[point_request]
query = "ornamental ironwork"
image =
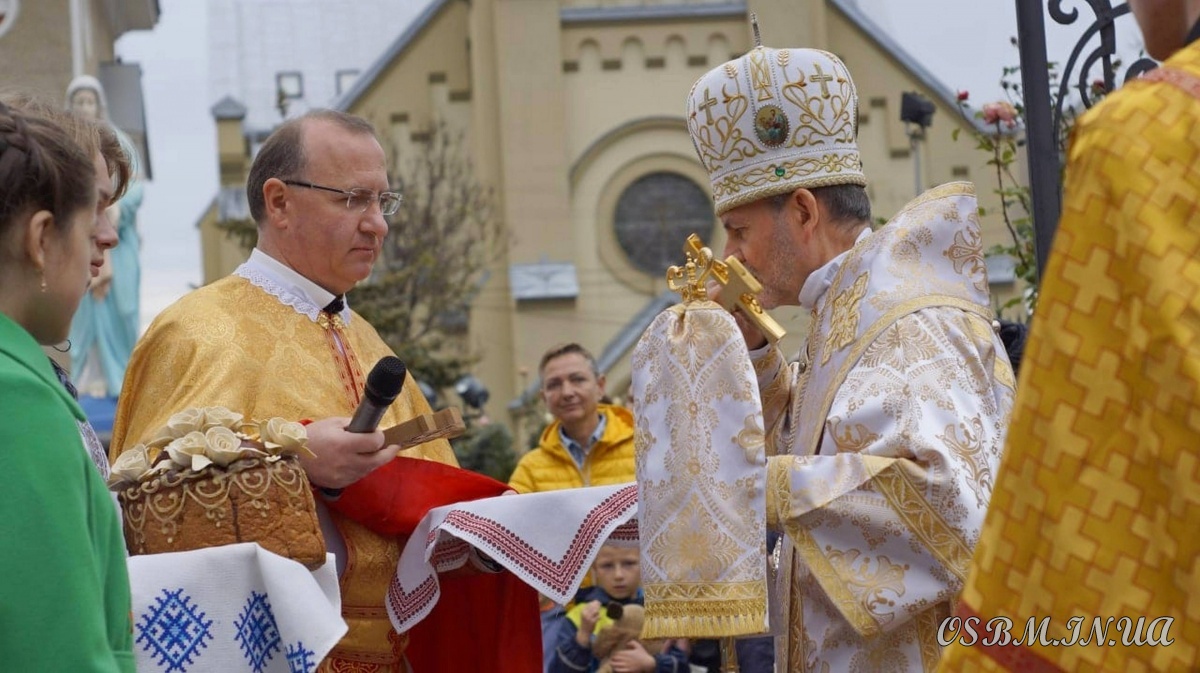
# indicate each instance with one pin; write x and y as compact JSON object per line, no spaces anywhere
{"x":1046,"y":115}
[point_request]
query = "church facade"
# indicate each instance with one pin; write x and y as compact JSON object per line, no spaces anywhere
{"x":574,"y":112}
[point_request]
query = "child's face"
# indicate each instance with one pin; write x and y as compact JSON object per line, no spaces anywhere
{"x":618,"y":571}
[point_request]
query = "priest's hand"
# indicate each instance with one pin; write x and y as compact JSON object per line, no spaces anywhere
{"x":342,"y":458}
{"x":755,"y":339}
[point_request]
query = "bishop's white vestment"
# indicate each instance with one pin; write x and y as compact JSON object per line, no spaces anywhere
{"x":884,"y":440}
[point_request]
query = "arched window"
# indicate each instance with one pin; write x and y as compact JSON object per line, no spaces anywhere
{"x":654,"y":216}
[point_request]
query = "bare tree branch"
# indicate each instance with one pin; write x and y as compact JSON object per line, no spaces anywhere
{"x":442,"y":240}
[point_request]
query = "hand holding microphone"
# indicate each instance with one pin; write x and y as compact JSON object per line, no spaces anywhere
{"x":348,"y":449}
{"x":383,"y":386}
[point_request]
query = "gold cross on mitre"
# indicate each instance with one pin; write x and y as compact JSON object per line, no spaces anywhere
{"x":739,"y":286}
{"x":822,"y":78}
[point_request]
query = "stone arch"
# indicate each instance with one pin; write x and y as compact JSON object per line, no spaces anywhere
{"x":609,"y":167}
{"x":633,"y":53}
{"x":676,"y":51}
{"x":718,"y":49}
{"x":589,"y":55}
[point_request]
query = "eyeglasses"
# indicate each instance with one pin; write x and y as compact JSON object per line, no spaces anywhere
{"x":359,"y":198}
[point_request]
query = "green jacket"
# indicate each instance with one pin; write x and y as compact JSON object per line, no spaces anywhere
{"x":550,"y":467}
{"x":64,"y":587}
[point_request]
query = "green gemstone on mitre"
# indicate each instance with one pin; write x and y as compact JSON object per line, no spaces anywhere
{"x":779,"y":172}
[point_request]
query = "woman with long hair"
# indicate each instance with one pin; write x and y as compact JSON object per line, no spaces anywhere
{"x":65,"y":587}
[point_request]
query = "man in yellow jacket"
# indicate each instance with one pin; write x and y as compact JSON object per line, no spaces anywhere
{"x":588,"y":444}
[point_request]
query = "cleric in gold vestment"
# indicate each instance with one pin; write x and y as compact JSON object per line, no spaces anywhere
{"x":275,"y":339}
{"x":883,"y":439}
{"x":1096,"y":507}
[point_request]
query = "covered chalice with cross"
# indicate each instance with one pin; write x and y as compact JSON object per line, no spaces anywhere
{"x":738,"y":287}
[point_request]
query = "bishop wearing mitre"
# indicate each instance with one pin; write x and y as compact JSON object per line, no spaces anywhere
{"x":881,"y":440}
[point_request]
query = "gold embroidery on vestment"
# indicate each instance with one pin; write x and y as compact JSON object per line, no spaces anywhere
{"x":779,"y":491}
{"x":728,"y":609}
{"x":969,"y":446}
{"x":843,"y":324}
{"x":835,"y":586}
{"x":851,"y":438}
{"x":864,"y":341}
{"x":905,"y":497}
{"x":966,"y":254}
{"x":870,"y":579}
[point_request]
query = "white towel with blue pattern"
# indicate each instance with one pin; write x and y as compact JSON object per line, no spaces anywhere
{"x":232,"y":609}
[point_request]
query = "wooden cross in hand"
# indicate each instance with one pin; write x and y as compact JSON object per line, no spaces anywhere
{"x":447,"y":423}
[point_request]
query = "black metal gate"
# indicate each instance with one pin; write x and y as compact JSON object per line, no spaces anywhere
{"x":1046,"y":111}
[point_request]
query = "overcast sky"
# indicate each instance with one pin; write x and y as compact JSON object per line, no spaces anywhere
{"x":965,"y":44}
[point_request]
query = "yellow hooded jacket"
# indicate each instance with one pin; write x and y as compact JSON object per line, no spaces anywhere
{"x":550,"y":467}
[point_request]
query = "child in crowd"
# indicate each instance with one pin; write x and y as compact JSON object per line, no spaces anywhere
{"x":618,"y":576}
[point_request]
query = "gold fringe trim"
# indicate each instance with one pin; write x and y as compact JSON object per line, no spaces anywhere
{"x":705,"y":610}
{"x":702,"y":626}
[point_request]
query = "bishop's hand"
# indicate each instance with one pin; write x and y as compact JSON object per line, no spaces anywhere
{"x":754,"y":337}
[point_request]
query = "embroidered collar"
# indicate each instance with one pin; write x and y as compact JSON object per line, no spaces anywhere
{"x":818,"y":281}
{"x":288,"y":286}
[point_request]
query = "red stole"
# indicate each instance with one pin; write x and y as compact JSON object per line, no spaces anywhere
{"x":482,"y":622}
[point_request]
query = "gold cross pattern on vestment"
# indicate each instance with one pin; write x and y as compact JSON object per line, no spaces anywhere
{"x":739,"y":286}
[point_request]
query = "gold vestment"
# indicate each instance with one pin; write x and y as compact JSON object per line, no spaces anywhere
{"x":1097,"y":501}
{"x":235,"y":345}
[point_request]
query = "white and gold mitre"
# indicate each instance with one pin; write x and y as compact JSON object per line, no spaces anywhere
{"x":775,"y":120}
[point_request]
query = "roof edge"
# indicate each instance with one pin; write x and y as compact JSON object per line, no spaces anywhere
{"x":401,"y":43}
{"x":906,"y":60}
{"x":652,"y":12}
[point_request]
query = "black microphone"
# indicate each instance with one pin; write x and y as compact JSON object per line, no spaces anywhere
{"x":383,"y":385}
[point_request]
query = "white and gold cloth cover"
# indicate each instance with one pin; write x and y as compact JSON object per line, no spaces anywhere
{"x":701,"y":470}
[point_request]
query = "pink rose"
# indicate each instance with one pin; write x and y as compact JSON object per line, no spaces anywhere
{"x":1000,"y":111}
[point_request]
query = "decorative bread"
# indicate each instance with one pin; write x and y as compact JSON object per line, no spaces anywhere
{"x":209,"y":478}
